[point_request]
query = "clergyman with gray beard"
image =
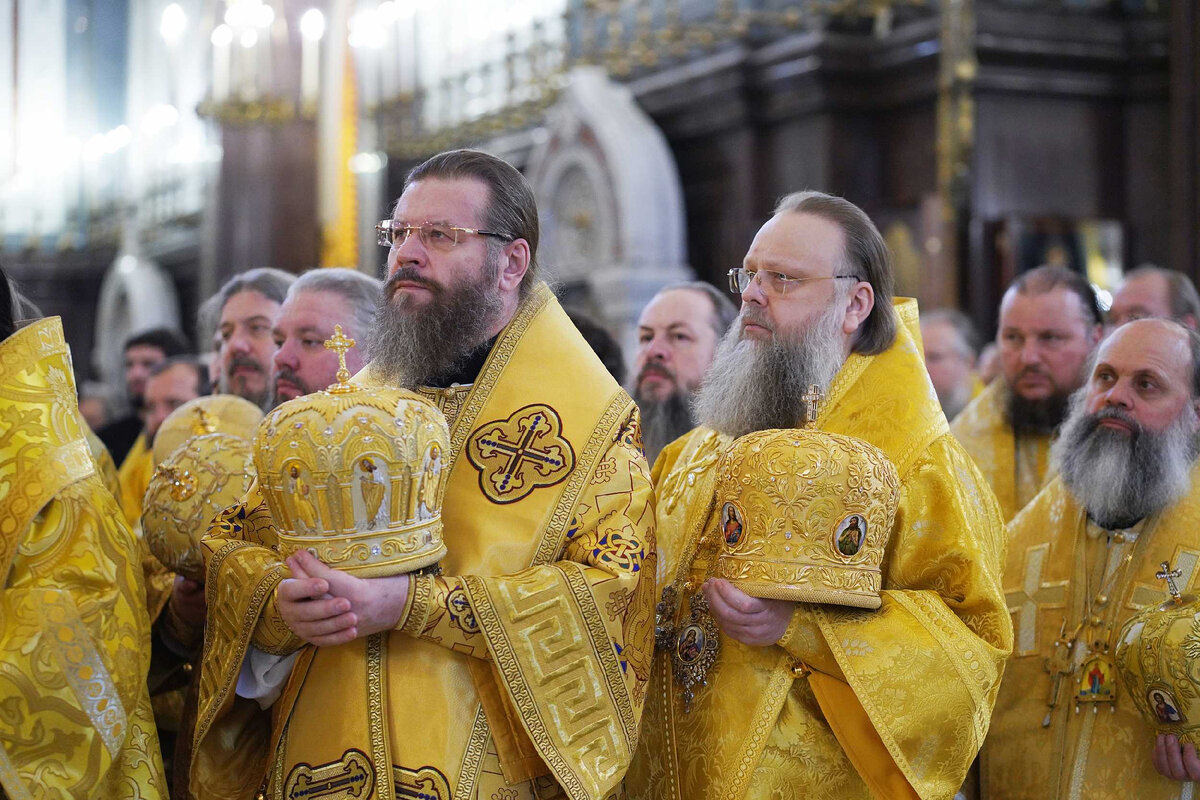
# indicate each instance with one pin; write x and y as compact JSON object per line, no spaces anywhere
{"x":817,"y":310}
{"x":1082,"y":557}
{"x":678,"y":331}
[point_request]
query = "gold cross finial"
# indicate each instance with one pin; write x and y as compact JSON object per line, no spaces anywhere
{"x":1169,"y":575}
{"x":340,"y":343}
{"x":812,"y":404}
{"x":203,"y":423}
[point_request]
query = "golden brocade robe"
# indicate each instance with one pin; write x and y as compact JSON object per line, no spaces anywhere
{"x":1016,"y":467}
{"x":521,"y":671}
{"x":898,"y":700}
{"x":134,"y":475}
{"x":1090,"y":756}
{"x":75,"y":718}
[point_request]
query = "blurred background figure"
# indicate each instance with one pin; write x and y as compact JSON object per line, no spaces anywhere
{"x":951,"y":348}
{"x":1151,"y":291}
{"x":249,"y":306}
{"x":142,"y":352}
{"x":171,"y":384}
{"x":315,"y":303}
{"x":1050,"y":321}
{"x":95,"y":404}
{"x":677,"y":335}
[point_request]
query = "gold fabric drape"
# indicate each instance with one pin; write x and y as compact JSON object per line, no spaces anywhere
{"x":75,"y":717}
{"x":1016,"y":467}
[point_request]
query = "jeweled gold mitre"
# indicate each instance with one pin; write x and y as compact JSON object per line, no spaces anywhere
{"x":1158,"y":656}
{"x":207,"y":468}
{"x":213,"y":413}
{"x":805,"y":516}
{"x":355,"y":475}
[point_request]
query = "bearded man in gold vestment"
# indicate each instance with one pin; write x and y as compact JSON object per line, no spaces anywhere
{"x":520,"y":671}
{"x":1082,"y":558}
{"x":75,"y":716}
{"x":1050,"y":322}
{"x":808,"y":700}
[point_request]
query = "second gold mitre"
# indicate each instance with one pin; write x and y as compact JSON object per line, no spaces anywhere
{"x":1158,"y":656}
{"x":355,"y":476}
{"x":804,"y":515}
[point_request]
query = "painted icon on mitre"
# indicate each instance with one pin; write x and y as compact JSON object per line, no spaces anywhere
{"x":850,"y":535}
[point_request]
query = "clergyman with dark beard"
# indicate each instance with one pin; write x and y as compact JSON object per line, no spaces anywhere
{"x":678,"y":331}
{"x":543,"y":608}
{"x":1050,"y":322}
{"x":1082,"y":558}
{"x":816,"y":287}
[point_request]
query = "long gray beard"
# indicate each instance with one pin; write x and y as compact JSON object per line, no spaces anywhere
{"x":663,"y":423}
{"x":414,"y":346}
{"x":756,"y":385}
{"x":1119,"y":478}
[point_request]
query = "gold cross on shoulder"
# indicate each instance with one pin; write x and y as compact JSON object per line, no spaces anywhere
{"x":340,"y":343}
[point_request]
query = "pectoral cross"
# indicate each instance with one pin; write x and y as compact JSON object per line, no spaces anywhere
{"x":812,"y":404}
{"x":1169,"y":575}
{"x":340,"y":343}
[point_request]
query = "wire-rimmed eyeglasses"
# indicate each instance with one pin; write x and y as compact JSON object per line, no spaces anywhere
{"x":433,"y":235}
{"x":771,"y":282}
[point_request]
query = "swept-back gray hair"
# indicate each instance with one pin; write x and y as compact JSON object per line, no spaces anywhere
{"x":271,"y":283}
{"x":866,"y":255}
{"x":360,"y":291}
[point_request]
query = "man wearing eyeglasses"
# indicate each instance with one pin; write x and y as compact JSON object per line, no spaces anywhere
{"x":519,"y":669}
{"x":801,"y":699}
{"x":1050,"y":322}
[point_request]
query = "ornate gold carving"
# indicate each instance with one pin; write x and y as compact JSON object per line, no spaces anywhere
{"x":524,"y":452}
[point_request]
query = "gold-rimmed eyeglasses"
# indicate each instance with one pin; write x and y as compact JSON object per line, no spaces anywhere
{"x":772,"y":282}
{"x":433,"y":235}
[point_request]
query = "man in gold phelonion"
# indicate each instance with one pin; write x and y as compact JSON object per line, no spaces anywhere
{"x":520,"y":671}
{"x":1082,"y":558}
{"x":1050,"y":321}
{"x":807,"y":700}
{"x":74,"y":638}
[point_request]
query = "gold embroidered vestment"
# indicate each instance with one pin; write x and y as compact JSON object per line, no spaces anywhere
{"x":899,"y":699}
{"x":1107,"y":754}
{"x":1016,"y":467}
{"x":521,"y":671}
{"x":75,"y":717}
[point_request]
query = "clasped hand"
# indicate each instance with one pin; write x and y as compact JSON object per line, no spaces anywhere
{"x":748,"y":619}
{"x":325,"y":607}
{"x":1175,"y":760}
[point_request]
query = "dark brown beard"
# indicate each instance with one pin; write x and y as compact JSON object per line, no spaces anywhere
{"x":413,"y":345}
